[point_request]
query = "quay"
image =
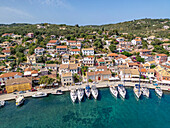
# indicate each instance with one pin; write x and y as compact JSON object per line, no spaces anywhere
{"x":12,"y":96}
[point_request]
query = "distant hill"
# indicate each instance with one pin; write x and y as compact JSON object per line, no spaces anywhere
{"x":141,"y":27}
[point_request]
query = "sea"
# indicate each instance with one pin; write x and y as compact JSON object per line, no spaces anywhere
{"x":58,"y":111}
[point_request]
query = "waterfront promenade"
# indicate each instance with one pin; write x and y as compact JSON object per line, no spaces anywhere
{"x":12,"y":96}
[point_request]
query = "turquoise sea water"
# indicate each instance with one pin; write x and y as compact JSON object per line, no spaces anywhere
{"x":106,"y":112}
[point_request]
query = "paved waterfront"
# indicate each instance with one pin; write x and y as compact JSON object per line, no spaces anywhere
{"x":12,"y":96}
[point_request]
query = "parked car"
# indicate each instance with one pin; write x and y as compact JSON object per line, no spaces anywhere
{"x":20,"y":92}
{"x":33,"y":90}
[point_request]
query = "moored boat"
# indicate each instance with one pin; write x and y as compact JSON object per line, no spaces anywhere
{"x":137,"y":90}
{"x":73,"y":95}
{"x":159,"y":91}
{"x":122,"y":90}
{"x":57,"y":92}
{"x":80,"y":94}
{"x":87,"y":91}
{"x":19,"y":100}
{"x":39,"y":94}
{"x":113,"y":90}
{"x":94,"y":91}
{"x":2,"y":103}
{"x":145,"y":91}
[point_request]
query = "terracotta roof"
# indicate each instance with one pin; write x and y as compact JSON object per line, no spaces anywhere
{"x":112,"y":54}
{"x":69,"y":74}
{"x":10,"y":74}
{"x":101,"y":60}
{"x":6,"y":51}
{"x":52,"y":41}
{"x":142,"y":70}
{"x":75,"y":50}
{"x":88,"y":49}
{"x":99,"y":72}
{"x":61,"y":47}
{"x":64,"y":65}
{"x":72,"y":41}
{"x":73,"y":66}
{"x":3,"y":55}
{"x":101,"y":67}
{"x":150,"y":70}
{"x":21,"y":80}
{"x":51,"y":65}
{"x":28,"y":69}
{"x":90,"y":56}
{"x":38,"y":48}
{"x":145,"y":50}
{"x":161,"y":55}
{"x":34,"y":72}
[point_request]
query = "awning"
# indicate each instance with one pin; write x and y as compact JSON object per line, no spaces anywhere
{"x":34,"y":74}
{"x":114,"y":78}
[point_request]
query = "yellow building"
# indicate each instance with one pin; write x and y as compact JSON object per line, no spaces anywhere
{"x":18,"y":84}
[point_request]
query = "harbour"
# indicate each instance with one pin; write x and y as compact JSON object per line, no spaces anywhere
{"x":106,"y":111}
{"x":12,"y":96}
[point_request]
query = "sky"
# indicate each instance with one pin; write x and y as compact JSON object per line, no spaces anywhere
{"x":82,"y":12}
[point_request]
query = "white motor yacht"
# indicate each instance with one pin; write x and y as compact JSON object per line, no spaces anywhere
{"x":113,"y":90}
{"x":145,"y":91}
{"x":2,"y":103}
{"x":137,"y":90}
{"x":19,"y":100}
{"x":122,"y":90}
{"x":80,"y":94}
{"x":39,"y":94}
{"x":94,"y":91}
{"x":57,"y":92}
{"x":159,"y":91}
{"x":73,"y":95}
{"x":87,"y":91}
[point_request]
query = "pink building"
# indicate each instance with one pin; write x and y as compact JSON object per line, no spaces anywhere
{"x":161,"y":58}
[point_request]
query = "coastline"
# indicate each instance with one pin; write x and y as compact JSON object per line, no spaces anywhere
{"x":12,"y":96}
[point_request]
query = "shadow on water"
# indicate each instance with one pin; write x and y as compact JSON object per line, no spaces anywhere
{"x":99,"y":95}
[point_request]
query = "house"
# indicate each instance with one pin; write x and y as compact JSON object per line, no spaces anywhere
{"x":100,"y":62}
{"x":18,"y":84}
{"x":39,"y":51}
{"x":31,"y":59}
{"x":148,"y":58}
{"x":129,"y":74}
{"x":65,"y":59}
{"x":71,"y":42}
{"x":112,"y":55}
{"x":120,"y":39}
{"x":108,"y":61}
{"x":8,"y":34}
{"x":3,"y":57}
{"x":134,"y":65}
{"x":162,"y":75}
{"x":63,"y":68}
{"x":27,"y":72}
{"x":52,"y":44}
{"x":146,"y":65}
{"x":150,"y":74}
{"x":88,"y":51}
{"x":6,"y":52}
{"x":67,"y":79}
{"x":124,"y":44}
{"x":108,"y":42}
{"x":145,"y":52}
{"x":166,"y":46}
{"x":137,"y":41}
{"x":10,"y":75}
{"x":74,"y":51}
{"x":73,"y":68}
{"x":30,"y":35}
{"x":5,"y":44}
{"x":51,"y":67}
{"x":61,"y":49}
{"x":121,"y":59}
{"x":101,"y":68}
{"x":80,"y":39}
{"x":43,"y":72}
{"x":161,"y":58}
{"x":26,"y":52}
{"x":75,"y":46}
{"x":97,"y":76}
{"x":88,"y":61}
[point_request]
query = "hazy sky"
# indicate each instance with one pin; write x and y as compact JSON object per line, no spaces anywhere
{"x":81,"y":12}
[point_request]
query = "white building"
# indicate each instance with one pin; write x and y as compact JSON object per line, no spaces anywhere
{"x":74,"y":51}
{"x":39,"y":51}
{"x":88,"y":51}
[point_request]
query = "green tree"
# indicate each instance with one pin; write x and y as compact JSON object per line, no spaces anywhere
{"x":112,"y":47}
